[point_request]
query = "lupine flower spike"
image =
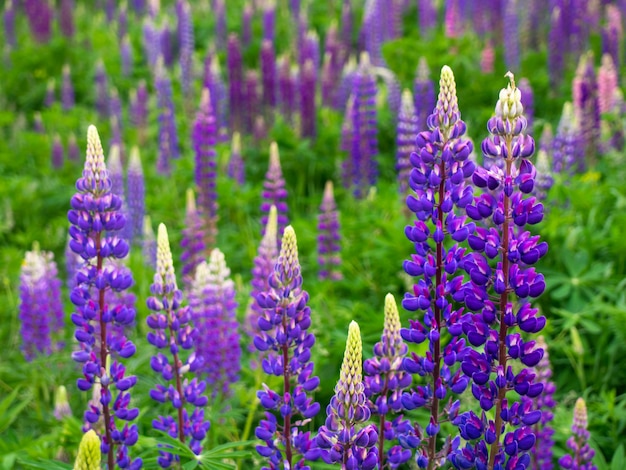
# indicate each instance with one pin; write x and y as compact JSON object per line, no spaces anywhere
{"x":274,"y":191}
{"x":501,"y":283}
{"x":136,"y":195}
{"x":236,"y":167}
{"x":578,"y":443}
{"x":173,"y":332}
{"x":192,"y":242}
{"x":89,"y":456}
{"x":96,"y":220}
{"x":407,"y":132}
{"x":62,"y":405}
{"x":284,"y":326}
{"x":328,"y":238}
{"x":345,"y":438}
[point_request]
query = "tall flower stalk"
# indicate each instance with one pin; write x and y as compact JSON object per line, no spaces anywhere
{"x":96,"y":220}
{"x":582,"y":453}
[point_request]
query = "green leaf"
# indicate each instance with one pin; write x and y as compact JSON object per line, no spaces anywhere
{"x":45,"y":464}
{"x":8,"y":417}
{"x":618,"y":459}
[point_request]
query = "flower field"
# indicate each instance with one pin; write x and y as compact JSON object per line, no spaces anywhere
{"x":291,"y":234}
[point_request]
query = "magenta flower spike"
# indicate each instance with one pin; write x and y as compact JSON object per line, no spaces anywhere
{"x":96,"y":220}
{"x":487,"y":58}
{"x":608,"y":83}
{"x":172,"y":331}
{"x":582,"y":453}
{"x":274,"y":192}
{"x":328,"y":238}
{"x":136,"y":195}
{"x":586,"y":106}
{"x":41,"y":310}
{"x":236,"y":166}
{"x":66,"y":18}
{"x":192,"y":241}
{"x":612,"y":34}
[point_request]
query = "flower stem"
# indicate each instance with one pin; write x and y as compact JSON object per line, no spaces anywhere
{"x":286,"y":389}
{"x":179,"y":389}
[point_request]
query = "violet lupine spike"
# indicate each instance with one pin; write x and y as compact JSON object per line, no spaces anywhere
{"x":9,"y":24}
{"x":236,"y":166}
{"x":214,"y":311}
{"x":115,"y":108}
{"x":557,"y":47}
{"x":122,"y":20}
{"x":204,"y":139}
{"x":73,"y":152}
{"x":487,"y":58}
{"x":346,"y":23}
{"x":586,"y":108}
{"x":427,"y":17}
{"x":384,"y":382}
{"x":192,"y":242}
{"x":544,"y":180}
{"x":116,"y":174}
{"x":423,"y":93}
{"x":502,"y":282}
{"x":139,"y":109}
{"x":221,"y":29}
{"x":66,"y":18}
{"x":528,"y":101}
{"x":38,"y":123}
{"x":567,"y":146}
{"x":372,"y":33}
{"x":268,"y":76}
{"x":269,"y":20}
{"x":308,"y":112}
{"x":345,"y":438}
{"x":126,"y":56}
{"x":328,"y":238}
{"x":171,"y":330}
{"x":150,"y":41}
{"x":102,"y":90}
{"x":148,"y":243}
{"x":166,"y":50}
{"x":441,"y":166}
{"x":264,"y":262}
{"x":541,"y":453}
{"x":259,"y":132}
{"x":41,"y":310}
{"x":582,"y":453}
{"x":285,"y":338}
{"x":168,"y":136}
{"x":246,"y":25}
{"x":67,"y":89}
{"x":57,"y":152}
{"x":95,"y":220}
{"x":405,"y":141}
{"x":511,"y":41}
{"x":136,"y":195}
{"x":287,"y":86}
{"x":39,"y":14}
{"x":310,"y":50}
{"x":219,"y":99}
{"x":612,"y":34}
{"x":235,"y":83}
{"x":251,"y":99}
{"x":608,"y":82}
{"x":185,"y":44}
{"x":274,"y":192}
{"x":50,"y":97}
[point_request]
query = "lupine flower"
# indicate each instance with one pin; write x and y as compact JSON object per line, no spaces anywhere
{"x":453,"y":19}
{"x":384,"y":382}
{"x":527,"y":101}
{"x":9,"y":23}
{"x":344,"y":438}
{"x":89,"y":456}
{"x":251,"y":99}
{"x":57,"y":152}
{"x":39,"y":14}
{"x":405,"y":141}
{"x":221,"y":29}
{"x":264,"y":262}
{"x":557,"y":47}
{"x":192,"y":241}
{"x":346,"y":25}
{"x":41,"y":311}
{"x":151,"y":41}
{"x":115,"y":111}
{"x":50,"y":97}
{"x":173,"y":332}
{"x":441,"y":165}
{"x":578,"y":443}
{"x":185,"y":43}
{"x":122,"y":21}
{"x":246,"y":25}
{"x":236,"y":166}
{"x":612,"y":34}
{"x":328,"y":238}
{"x":504,"y":440}
{"x":268,"y":75}
{"x":235,"y":82}
{"x":308,"y":113}
{"x":372,"y":31}
{"x":95,"y":221}
{"x":67,"y":89}
{"x":269,"y":20}
{"x":136,"y":195}
{"x":274,"y":192}
{"x":607,"y":84}
{"x":287,"y":342}
{"x":148,"y":243}
{"x":586,"y":107}
{"x":487,"y":58}
{"x":212,"y":300}
{"x":287,"y":85}
{"x":102,"y":90}
{"x":139,"y":108}
{"x":427,"y":17}
{"x":38,"y":123}
{"x":164,"y":36}
{"x":544,"y":180}
{"x":423,"y":93}
{"x":259,"y":132}
{"x":217,"y":90}
{"x":511,"y":37}
{"x":126,"y":56}
{"x":567,"y":148}
{"x":168,"y":136}
{"x":310,"y":50}
{"x":62,"y":405}
{"x":109,"y":10}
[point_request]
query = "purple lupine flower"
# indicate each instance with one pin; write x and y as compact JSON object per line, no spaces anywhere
{"x":328,"y":238}
{"x":487,"y":58}
{"x":168,"y":136}
{"x":122,"y":21}
{"x":67,"y":89}
{"x":9,"y":23}
{"x":308,"y":114}
{"x":62,"y":406}
{"x":541,"y":453}
{"x":204,"y":139}
{"x":528,"y":101}
{"x":394,"y":92}
{"x":95,"y":220}
{"x":427,"y":17}
{"x":612,"y":34}
{"x":39,"y":14}
{"x":41,"y":310}
{"x":582,"y":453}
{"x":501,"y":296}
{"x":310,"y":50}
{"x":192,"y":242}
{"x":268,"y":76}
{"x":285,"y":338}
{"x":384,"y":382}
{"x":172,"y":331}
{"x":185,"y":43}
{"x":510,"y":24}
{"x":344,"y":88}
{"x":344,"y":438}
{"x":274,"y":192}
{"x":264,"y":262}
{"x":66,"y":18}
{"x":38,"y":123}
{"x":236,"y":166}
{"x":219,"y":99}
{"x":139,"y":109}
{"x":251,"y":99}
{"x":423,"y":93}
{"x":148,"y":243}
{"x":151,"y":41}
{"x":235,"y":82}
{"x":164,"y":37}
{"x":138,"y":7}
{"x":57,"y":151}
{"x":453,"y":21}
{"x":544,"y":180}
{"x":115,"y":108}
{"x":246,"y":25}
{"x":259,"y":132}
{"x":586,"y":108}
{"x":109,"y":10}
{"x":214,"y":312}
{"x":73,"y":152}
{"x":405,"y":141}
{"x":269,"y":20}
{"x":607,"y":84}
{"x":557,"y":47}
{"x":116,"y":175}
{"x":372,"y":31}
{"x":287,"y":86}
{"x":102,"y":90}
{"x":567,"y":148}
{"x":126,"y":56}
{"x":221,"y":29}
{"x":346,"y":26}
{"x":136,"y":195}
{"x":441,"y":165}
{"x":50,"y":97}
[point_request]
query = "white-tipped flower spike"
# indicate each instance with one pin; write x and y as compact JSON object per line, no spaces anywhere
{"x":580,"y":414}
{"x":271,"y":229}
{"x":274,"y":157}
{"x":447,"y":102}
{"x":236,"y":143}
{"x":391,"y":328}
{"x":509,"y":105}
{"x":350,"y":387}
{"x":61,"y":403}
{"x":89,"y":455}
{"x":288,"y":257}
{"x":164,"y":278}
{"x":190,"y":206}
{"x":219,"y":271}
{"x":95,"y":171}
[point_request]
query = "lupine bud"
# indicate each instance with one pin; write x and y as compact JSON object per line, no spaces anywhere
{"x":148,"y":245}
{"x":235,"y":82}
{"x":89,"y":456}
{"x":61,"y":404}
{"x":607,"y":84}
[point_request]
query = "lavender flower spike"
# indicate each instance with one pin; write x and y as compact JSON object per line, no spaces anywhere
{"x":578,"y":443}
{"x":236,"y":166}
{"x":192,"y":242}
{"x":96,"y":220}
{"x":67,"y":89}
{"x":172,"y":331}
{"x":328,"y":239}
{"x":407,"y":132}
{"x":340,"y":439}
{"x":274,"y":191}
{"x":284,"y":326}
{"x":136,"y":195}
